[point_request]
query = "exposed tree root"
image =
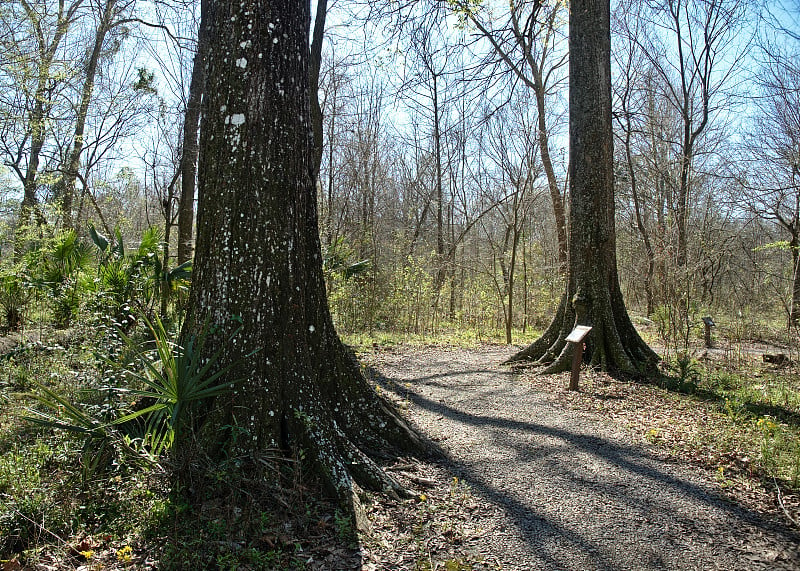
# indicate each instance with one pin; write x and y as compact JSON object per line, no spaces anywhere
{"x":340,"y":460}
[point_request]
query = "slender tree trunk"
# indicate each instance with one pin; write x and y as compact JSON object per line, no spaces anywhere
{"x":70,"y":173}
{"x":437,"y":143}
{"x":643,"y":232}
{"x":315,"y":64}
{"x":511,"y":269}
{"x":258,"y":261}
{"x":329,"y":226}
{"x":593,"y":294}
{"x":682,"y":210}
{"x":191,"y":148}
{"x":442,"y":258}
{"x":552,"y":183}
{"x":530,"y":30}
{"x":524,"y":285}
{"x":47,"y":48}
{"x":37,"y":131}
{"x":163,"y":284}
{"x":794,"y":246}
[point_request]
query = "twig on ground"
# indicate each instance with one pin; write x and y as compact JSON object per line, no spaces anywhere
{"x":780,"y":502}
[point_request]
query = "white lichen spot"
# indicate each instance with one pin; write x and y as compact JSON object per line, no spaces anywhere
{"x":245,"y":44}
{"x":274,"y":40}
{"x":241,"y":62}
{"x":223,"y":109}
{"x":236,"y":119}
{"x":311,"y":328}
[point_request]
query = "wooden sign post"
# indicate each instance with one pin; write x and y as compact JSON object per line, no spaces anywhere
{"x":576,"y":337}
{"x":708,"y":324}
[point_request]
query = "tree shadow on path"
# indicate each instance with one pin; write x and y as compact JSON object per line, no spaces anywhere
{"x":643,"y":512}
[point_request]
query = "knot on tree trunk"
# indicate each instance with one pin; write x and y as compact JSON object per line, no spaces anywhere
{"x":581,"y":303}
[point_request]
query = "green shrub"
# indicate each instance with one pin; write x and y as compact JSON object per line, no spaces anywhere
{"x":14,"y":296}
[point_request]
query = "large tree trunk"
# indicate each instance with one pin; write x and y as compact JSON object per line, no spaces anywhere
{"x":258,"y":260}
{"x":593,"y":294}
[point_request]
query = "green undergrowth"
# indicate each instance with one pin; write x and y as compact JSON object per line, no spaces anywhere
{"x":72,"y":499}
{"x":754,"y":429}
{"x":466,"y":338}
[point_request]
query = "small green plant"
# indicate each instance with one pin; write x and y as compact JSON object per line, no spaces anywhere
{"x":337,"y":260}
{"x":770,"y":435}
{"x":457,"y":565}
{"x":688,"y":371}
{"x":344,"y":526}
{"x":734,"y":409}
{"x":28,"y":504}
{"x":101,"y":442}
{"x":175,"y":377}
{"x":60,"y":275}
{"x":653,"y":435}
{"x":171,"y":378}
{"x":722,"y":479}
{"x":14,"y":297}
{"x":137,"y":278}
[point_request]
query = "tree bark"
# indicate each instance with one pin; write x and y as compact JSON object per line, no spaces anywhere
{"x":593,"y":294}
{"x":794,"y":247}
{"x":258,"y":261}
{"x":190,"y":145}
{"x":315,"y":65}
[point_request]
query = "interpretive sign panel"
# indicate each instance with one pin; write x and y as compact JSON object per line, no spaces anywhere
{"x":578,"y":334}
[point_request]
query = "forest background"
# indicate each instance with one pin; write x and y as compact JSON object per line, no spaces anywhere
{"x":443,"y":179}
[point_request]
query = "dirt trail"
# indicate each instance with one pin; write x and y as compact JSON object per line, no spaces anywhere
{"x":571,"y":490}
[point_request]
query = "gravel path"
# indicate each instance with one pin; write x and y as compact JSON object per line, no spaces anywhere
{"x":571,"y":490}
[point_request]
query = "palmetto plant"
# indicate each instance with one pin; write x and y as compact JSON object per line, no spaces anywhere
{"x":175,"y":378}
{"x":337,"y":260}
{"x":138,"y":277}
{"x":102,"y":441}
{"x":14,"y":296}
{"x":170,"y":377}
{"x":60,"y":272}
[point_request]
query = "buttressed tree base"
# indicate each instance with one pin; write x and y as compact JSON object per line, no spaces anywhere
{"x":593,"y":294}
{"x":258,"y":261}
